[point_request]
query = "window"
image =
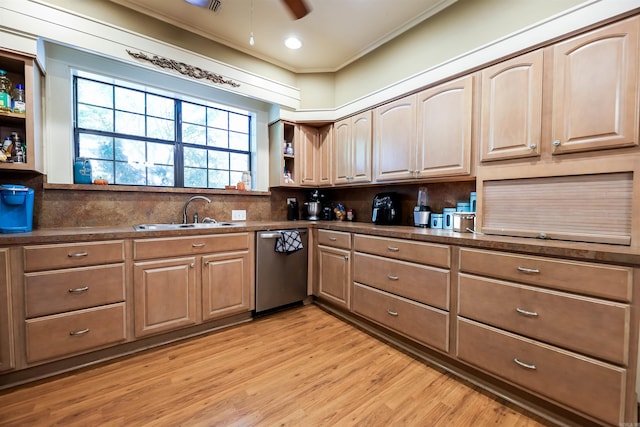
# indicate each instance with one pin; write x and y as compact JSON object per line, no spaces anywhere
{"x":137,"y":137}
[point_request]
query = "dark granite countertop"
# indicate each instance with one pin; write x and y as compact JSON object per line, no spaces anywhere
{"x":556,"y":248}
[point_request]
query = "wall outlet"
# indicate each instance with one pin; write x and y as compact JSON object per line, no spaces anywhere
{"x":291,"y":200}
{"x":238,"y":215}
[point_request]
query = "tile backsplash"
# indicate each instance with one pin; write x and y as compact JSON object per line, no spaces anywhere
{"x":75,"y":207}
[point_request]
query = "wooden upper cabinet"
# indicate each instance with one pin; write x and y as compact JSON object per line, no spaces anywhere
{"x":395,"y":140}
{"x":445,"y":129}
{"x":352,"y":149}
{"x":595,"y":89}
{"x":511,"y":106}
{"x":308,"y":151}
{"x":325,"y":145}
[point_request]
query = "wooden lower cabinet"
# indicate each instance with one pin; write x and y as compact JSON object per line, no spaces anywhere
{"x":334,"y":275}
{"x":66,"y":334}
{"x":6,"y":318}
{"x":420,"y":322}
{"x":165,"y":295}
{"x":572,"y":380}
{"x":183,"y":281}
{"x":226,"y":284}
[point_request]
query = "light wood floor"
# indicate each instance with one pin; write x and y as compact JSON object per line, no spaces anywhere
{"x":301,"y":367}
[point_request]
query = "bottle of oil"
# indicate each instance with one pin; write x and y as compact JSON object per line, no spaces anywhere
{"x":5,"y":92}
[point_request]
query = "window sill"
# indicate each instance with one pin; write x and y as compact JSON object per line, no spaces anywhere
{"x":138,"y":189}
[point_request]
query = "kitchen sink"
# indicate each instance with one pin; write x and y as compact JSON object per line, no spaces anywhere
{"x":200,"y":225}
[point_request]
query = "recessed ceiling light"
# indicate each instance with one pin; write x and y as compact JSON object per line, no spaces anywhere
{"x":293,"y":43}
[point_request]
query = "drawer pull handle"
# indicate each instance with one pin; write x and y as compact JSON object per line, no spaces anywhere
{"x":80,"y":332}
{"x":526,"y":312}
{"x":198,"y":245}
{"x":524,"y":365}
{"x":333,"y":239}
{"x":78,"y":290}
{"x":529,"y":270}
{"x":77,"y":255}
{"x":392,"y":313}
{"x":393,"y":248}
{"x":391,"y":277}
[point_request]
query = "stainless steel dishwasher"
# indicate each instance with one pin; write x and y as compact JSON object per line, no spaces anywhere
{"x":281,"y":278}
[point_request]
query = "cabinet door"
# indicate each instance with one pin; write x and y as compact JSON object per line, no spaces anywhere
{"x":308,"y":153}
{"x":445,"y":129}
{"x":511,"y":108}
{"x":226,"y":284}
{"x":6,"y":339}
{"x":595,"y":94}
{"x":395,"y":140}
{"x":334,"y":275}
{"x":342,"y":151}
{"x":325,"y":147}
{"x":361,"y":147}
{"x":164,"y":294}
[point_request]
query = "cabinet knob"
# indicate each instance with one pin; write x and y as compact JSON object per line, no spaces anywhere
{"x":346,"y":257}
{"x":206,"y":263}
{"x":192,"y":265}
{"x":556,"y":143}
{"x":533,"y":146}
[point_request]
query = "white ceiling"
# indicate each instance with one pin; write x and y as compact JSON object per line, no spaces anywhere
{"x":334,"y":34}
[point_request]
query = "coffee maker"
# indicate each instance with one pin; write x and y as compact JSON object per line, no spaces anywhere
{"x":16,"y":208}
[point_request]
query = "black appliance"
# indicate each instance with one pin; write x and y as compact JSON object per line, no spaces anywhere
{"x":293,"y":212}
{"x":386,"y":209}
{"x":326,"y":214}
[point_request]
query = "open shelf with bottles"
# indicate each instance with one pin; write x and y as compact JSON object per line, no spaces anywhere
{"x":283,"y":154}
{"x":23,"y":69}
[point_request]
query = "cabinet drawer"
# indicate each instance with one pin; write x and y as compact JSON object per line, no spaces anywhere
{"x":591,"y":279}
{"x":406,"y":250}
{"x":173,"y":246}
{"x":592,"y":387}
{"x":425,"y":284}
{"x":337,"y":239}
{"x":74,"y":332}
{"x":72,"y":289}
{"x":420,"y":322}
{"x":49,"y":257}
{"x":595,"y":327}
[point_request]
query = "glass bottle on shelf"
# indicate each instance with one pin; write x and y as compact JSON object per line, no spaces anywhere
{"x":5,"y":92}
{"x":18,"y":102}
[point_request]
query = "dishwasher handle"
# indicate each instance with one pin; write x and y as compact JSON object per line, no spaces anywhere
{"x":275,"y":234}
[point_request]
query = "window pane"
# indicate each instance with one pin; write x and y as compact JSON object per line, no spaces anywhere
{"x":217,"y":118}
{"x":218,"y":138}
{"x":239,"y":141}
{"x":129,"y":100}
{"x":195,"y":157}
{"x":194,"y":113}
{"x":238,"y":123}
{"x":160,"y":154}
{"x":159,"y":106}
{"x":161,"y":176}
{"x":102,"y":169}
{"x":160,"y":128}
{"x":95,"y":118}
{"x":194,"y":134}
{"x":131,"y":151}
{"x":218,"y":179}
{"x":129,"y":123}
{"x":96,"y":147}
{"x":236,"y":177}
{"x":95,"y":93}
{"x":195,"y":177}
{"x":130,"y":174}
{"x":218,"y":160}
{"x":239,"y":162}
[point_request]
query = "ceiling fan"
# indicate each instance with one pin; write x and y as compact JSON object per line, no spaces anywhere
{"x":298,"y":8}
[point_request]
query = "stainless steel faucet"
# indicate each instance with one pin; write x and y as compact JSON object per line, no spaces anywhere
{"x":184,"y":210}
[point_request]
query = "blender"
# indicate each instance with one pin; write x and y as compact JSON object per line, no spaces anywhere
{"x":422,"y":210}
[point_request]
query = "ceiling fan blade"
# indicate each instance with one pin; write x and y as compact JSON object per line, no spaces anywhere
{"x":297,"y":7}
